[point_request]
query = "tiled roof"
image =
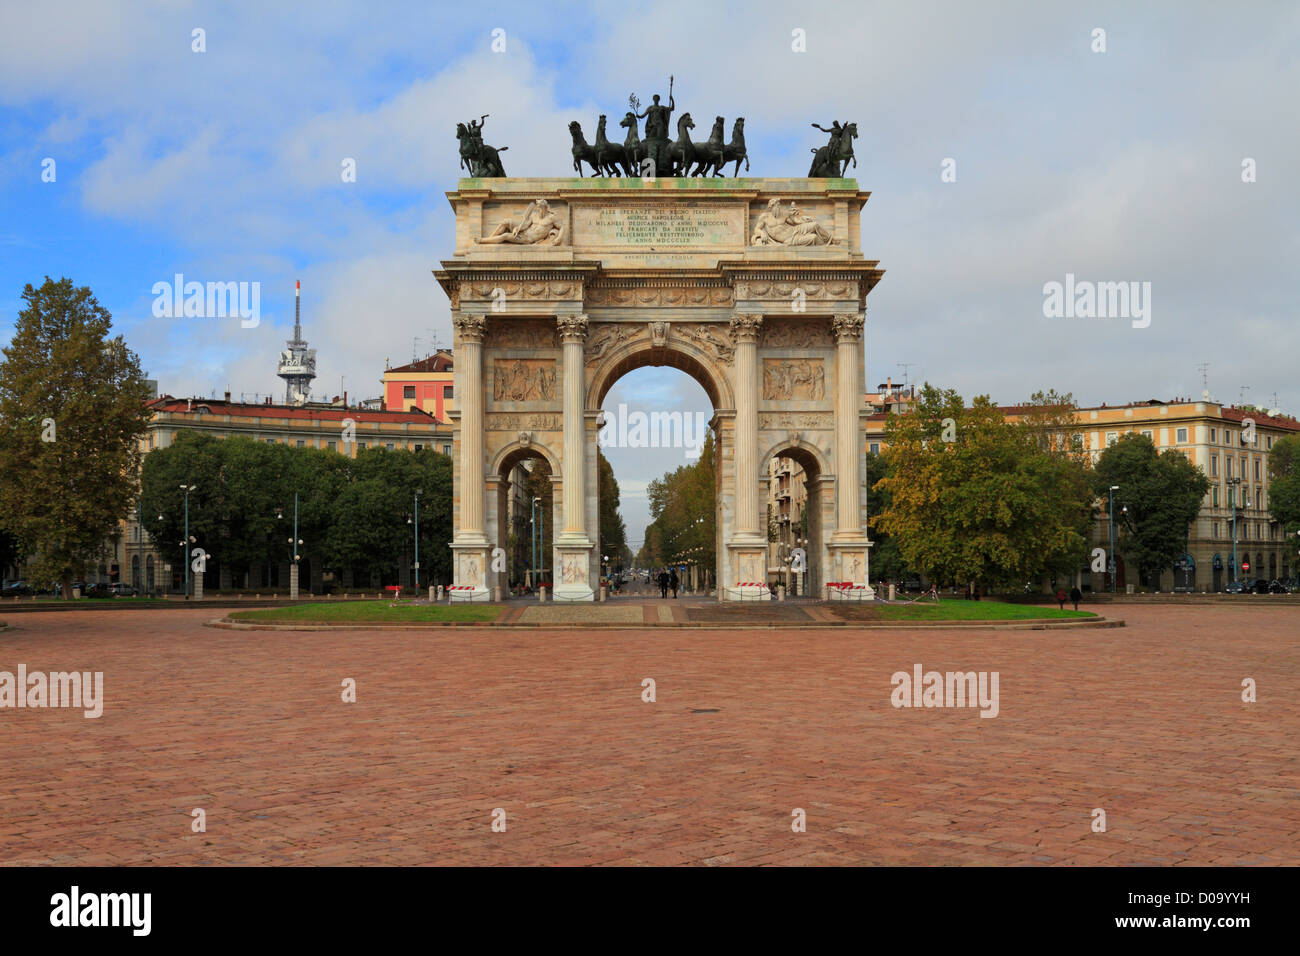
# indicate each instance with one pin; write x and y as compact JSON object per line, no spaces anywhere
{"x":438,"y":362}
{"x":250,"y":410}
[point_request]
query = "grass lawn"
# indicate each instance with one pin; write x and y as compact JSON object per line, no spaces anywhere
{"x":960,"y":610}
{"x":342,"y":611}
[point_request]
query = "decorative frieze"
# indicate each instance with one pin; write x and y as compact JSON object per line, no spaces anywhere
{"x":659,"y":296}
{"x":523,"y":380}
{"x":516,"y":422}
{"x":797,"y":334}
{"x":794,"y":378}
{"x":771,"y":421}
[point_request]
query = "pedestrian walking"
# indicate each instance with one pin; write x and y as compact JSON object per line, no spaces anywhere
{"x":662,"y":581}
{"x":674,"y":582}
{"x":1060,"y":597}
{"x":1076,"y":596}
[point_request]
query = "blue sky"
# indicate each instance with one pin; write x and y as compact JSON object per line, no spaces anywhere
{"x":224,"y":166}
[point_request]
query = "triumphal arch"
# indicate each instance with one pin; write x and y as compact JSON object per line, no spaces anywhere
{"x":754,"y":287}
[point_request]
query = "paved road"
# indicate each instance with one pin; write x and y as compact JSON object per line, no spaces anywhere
{"x":1144,"y":722}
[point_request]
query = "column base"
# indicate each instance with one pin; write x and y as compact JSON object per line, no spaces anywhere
{"x":573,"y":581}
{"x":850,"y":570}
{"x":747,"y":565}
{"x":469,"y":569}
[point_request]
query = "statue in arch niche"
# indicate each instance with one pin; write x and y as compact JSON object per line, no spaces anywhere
{"x":538,"y":226}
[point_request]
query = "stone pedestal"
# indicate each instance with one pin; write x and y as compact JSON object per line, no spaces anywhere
{"x":197,"y":581}
{"x":293,"y":581}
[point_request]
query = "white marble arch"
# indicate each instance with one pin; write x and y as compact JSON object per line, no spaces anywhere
{"x":659,"y":272}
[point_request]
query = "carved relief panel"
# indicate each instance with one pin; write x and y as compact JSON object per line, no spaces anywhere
{"x":523,"y":380}
{"x":794,"y":378}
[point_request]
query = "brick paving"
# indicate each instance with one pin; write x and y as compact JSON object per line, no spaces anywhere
{"x":1145,"y":722}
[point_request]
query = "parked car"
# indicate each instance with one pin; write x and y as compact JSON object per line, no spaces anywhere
{"x":17,"y":589}
{"x":1277,"y":587}
{"x":1236,"y":587}
{"x":122,"y":589}
{"x":1261,"y":585}
{"x":99,"y":591}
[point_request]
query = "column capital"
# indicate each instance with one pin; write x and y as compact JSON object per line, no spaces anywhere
{"x":469,"y":328}
{"x":745,"y":327}
{"x":847,"y":327}
{"x":573,"y":327}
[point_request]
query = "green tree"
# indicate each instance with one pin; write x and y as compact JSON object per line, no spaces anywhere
{"x":1284,"y":482}
{"x":72,"y":413}
{"x":973,"y":497}
{"x":684,"y":514}
{"x":1158,"y":498}
{"x":613,"y":532}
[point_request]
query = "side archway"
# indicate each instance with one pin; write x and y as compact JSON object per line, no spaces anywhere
{"x":801,"y":499}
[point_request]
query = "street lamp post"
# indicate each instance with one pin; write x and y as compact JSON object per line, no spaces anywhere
{"x":1232,"y":503}
{"x":1111,"y":553}
{"x":185,"y":557}
{"x":418,"y":491}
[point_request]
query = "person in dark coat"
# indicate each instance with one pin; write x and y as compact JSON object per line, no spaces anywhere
{"x":674,"y":582}
{"x":662,"y":581}
{"x":1076,"y":596}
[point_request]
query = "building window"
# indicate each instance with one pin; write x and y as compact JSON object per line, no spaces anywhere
{"x":1214,"y":435}
{"x":446,"y":449}
{"x":333,"y":446}
{"x":1216,"y":527}
{"x":1257,"y":469}
{"x":301,"y":443}
{"x":1258,"y":499}
{"x":415,"y":447}
{"x":1227,"y":466}
{"x":1111,"y":438}
{"x":1180,"y":435}
{"x":1146,"y":433}
{"x":1215,"y":492}
{"x":361,"y":444}
{"x":1268,"y":442}
{"x":408,"y":391}
{"x":1214,"y":466}
{"x":875,"y":448}
{"x":389,"y":446}
{"x":447,"y":392}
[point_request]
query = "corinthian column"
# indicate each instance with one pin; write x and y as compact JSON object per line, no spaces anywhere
{"x":746,"y":566}
{"x":848,"y":348}
{"x":573,"y":333}
{"x":744,"y":333}
{"x":470,"y":547}
{"x":573,"y":547}
{"x":469,"y":395}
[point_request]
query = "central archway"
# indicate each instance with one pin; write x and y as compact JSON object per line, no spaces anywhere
{"x":669,"y":428}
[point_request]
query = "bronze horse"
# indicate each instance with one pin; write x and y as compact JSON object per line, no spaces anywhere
{"x":826,"y":165}
{"x":479,"y":160}
{"x":585,"y":153}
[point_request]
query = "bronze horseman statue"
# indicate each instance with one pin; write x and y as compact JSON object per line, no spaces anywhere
{"x":481,"y":161}
{"x":832,"y":160}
